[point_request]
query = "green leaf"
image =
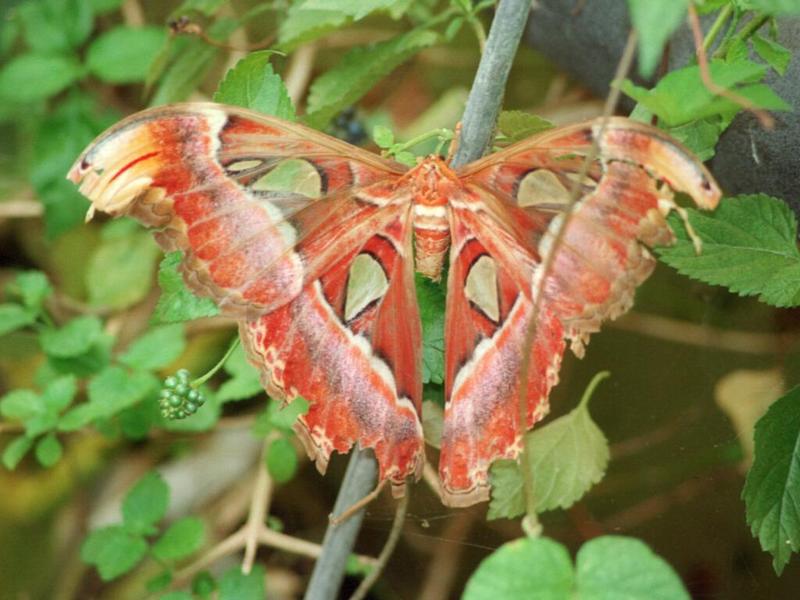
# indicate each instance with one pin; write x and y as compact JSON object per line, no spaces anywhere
{"x":102,"y":7}
{"x":64,"y":206}
{"x":16,"y":450}
{"x":680,"y":97}
{"x":283,"y":417}
{"x":774,"y":54}
{"x":618,"y":567}
{"x":14,"y":316}
{"x":56,"y":25}
{"x":113,"y":550}
{"x":770,"y":491}
{"x":31,"y":77}
{"x":749,"y":246}
{"x":21,"y":405}
{"x":431,"y":301}
{"x":253,"y":84}
{"x":525,"y":568}
{"x":281,"y":460}
{"x":156,"y":349}
{"x":145,"y":504}
{"x":73,"y":339}
{"x":235,"y":585}
{"x":33,"y":288}
{"x":204,"y":585}
{"x":655,"y":22}
{"x":124,"y":54}
{"x":59,"y":393}
{"x":358,"y":71}
{"x":184,"y":537}
{"x":177,"y":596}
{"x":700,"y":136}
{"x":517,"y":125}
{"x":115,"y":389}
{"x":120,"y":272}
{"x":607,"y":568}
{"x":176,"y":302}
{"x":159,"y":582}
{"x":383,"y":136}
{"x":357,"y":9}
{"x":567,"y":457}
{"x":244,"y":382}
{"x":48,"y":450}
{"x":771,"y":7}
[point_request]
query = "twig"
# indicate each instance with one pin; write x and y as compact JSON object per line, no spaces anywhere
{"x":298,"y":72}
{"x":259,"y":508}
{"x":132,"y":13}
{"x":763,"y":116}
{"x":386,"y":552}
{"x":357,"y":506}
{"x":20,"y":209}
{"x":338,"y":542}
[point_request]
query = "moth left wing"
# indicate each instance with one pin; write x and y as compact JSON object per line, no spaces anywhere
{"x":259,"y":206}
{"x":349,"y":343}
{"x":510,"y":263}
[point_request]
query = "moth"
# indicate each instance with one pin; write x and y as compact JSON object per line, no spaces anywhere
{"x":320,"y":273}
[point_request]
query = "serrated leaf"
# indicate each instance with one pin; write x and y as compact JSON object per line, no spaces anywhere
{"x":16,"y":450}
{"x":771,"y":7}
{"x":517,"y":125}
{"x":244,"y":382}
{"x":48,"y":450}
{"x":235,"y":585}
{"x":608,"y":567}
{"x":281,"y":460}
{"x":14,"y":316}
{"x":73,"y":339}
{"x":32,"y":287}
{"x":775,"y":54}
{"x":358,"y":71}
{"x":124,"y":54}
{"x":31,"y":77}
{"x":155,"y":349}
{"x":283,"y":416}
{"x":177,"y":303}
{"x":749,"y":246}
{"x":252,"y":83}
{"x":145,"y":504}
{"x":655,"y":22}
{"x":113,"y":550}
{"x":770,"y":491}
{"x":567,"y":457}
{"x":184,"y":537}
{"x":700,"y":136}
{"x":121,"y":269}
{"x":621,"y":567}
{"x":431,"y":301}
{"x":681,"y":97}
{"x":525,"y":568}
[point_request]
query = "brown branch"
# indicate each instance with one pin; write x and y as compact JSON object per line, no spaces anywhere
{"x":446,"y":558}
{"x":763,"y":116}
{"x":259,"y":508}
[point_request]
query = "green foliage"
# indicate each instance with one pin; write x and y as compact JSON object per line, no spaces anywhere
{"x":235,"y":585}
{"x":281,"y":460}
{"x":253,"y":84}
{"x":124,"y":54}
{"x":770,"y":492}
{"x":567,"y":457}
{"x":655,"y":22}
{"x":749,"y":246}
{"x":244,"y":381}
{"x":516,"y":125}
{"x":33,"y":77}
{"x":358,"y":71}
{"x":177,"y":303}
{"x":52,"y":26}
{"x":773,"y":53}
{"x":605,"y":567}
{"x":431,"y":300}
{"x":771,"y":7}
{"x":155,"y":349}
{"x":116,"y":549}
{"x":121,"y":268}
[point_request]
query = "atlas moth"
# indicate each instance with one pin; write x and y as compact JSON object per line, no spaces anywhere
{"x":320,"y":275}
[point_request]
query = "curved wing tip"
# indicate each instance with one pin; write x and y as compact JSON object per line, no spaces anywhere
{"x":463,"y":498}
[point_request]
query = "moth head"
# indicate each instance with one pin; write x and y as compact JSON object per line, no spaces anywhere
{"x":115,"y":170}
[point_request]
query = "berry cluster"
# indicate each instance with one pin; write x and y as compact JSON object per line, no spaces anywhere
{"x":178,"y":398}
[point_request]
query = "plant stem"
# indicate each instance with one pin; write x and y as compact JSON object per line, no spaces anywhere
{"x":717,"y":26}
{"x":478,"y":124}
{"x":744,"y":34}
{"x":196,"y":383}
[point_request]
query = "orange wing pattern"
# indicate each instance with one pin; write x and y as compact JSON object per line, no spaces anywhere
{"x":309,"y":242}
